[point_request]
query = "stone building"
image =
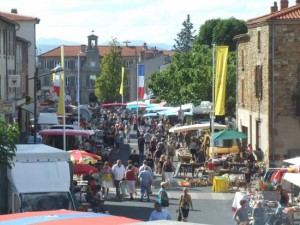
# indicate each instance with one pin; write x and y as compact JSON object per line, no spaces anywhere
{"x":17,"y":64}
{"x":268,"y":88}
{"x":89,"y":57}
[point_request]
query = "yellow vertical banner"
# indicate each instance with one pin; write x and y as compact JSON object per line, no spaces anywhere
{"x":221,"y":75}
{"x":61,"y":98}
{"x":122,"y":82}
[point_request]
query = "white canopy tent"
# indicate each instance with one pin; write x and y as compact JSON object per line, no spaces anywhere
{"x":295,"y":161}
{"x":204,"y":126}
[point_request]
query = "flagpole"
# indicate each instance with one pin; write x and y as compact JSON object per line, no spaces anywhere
{"x":78,"y":96}
{"x":213,"y":104}
{"x":62,"y":92}
{"x":137,"y":95}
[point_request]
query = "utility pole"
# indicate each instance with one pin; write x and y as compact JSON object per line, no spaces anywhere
{"x":35,"y":104}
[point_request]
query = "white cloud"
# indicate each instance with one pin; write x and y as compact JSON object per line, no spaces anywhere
{"x":148,"y":20}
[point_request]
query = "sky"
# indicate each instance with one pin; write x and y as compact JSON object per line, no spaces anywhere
{"x":152,"y":21}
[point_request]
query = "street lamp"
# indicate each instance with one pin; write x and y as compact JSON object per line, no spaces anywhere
{"x":35,"y":78}
{"x":77,"y":90}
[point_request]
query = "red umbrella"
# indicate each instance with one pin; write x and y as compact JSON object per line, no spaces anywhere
{"x":83,"y":157}
{"x":83,"y":169}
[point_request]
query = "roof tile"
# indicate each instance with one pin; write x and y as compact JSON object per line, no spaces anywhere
{"x":291,"y":13}
{"x":18,"y":17}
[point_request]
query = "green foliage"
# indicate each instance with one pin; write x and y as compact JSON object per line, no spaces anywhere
{"x":9,"y":135}
{"x":189,"y":79}
{"x":185,"y":37}
{"x":221,"y":32}
{"x":108,"y":83}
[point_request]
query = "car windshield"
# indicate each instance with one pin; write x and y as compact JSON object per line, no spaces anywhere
{"x":45,"y":201}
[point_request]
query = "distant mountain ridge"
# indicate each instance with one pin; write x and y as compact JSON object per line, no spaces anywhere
{"x":47,"y":44}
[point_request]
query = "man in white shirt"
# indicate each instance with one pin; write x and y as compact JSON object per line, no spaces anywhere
{"x":159,"y":213}
{"x":118,"y":171}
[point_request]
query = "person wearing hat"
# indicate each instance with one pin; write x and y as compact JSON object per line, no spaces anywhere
{"x":241,"y":215}
{"x":159,"y":213}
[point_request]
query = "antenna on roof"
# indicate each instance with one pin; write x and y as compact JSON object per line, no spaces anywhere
{"x":127,"y":42}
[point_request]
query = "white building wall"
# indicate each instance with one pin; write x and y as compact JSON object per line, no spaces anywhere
{"x":28,"y":31}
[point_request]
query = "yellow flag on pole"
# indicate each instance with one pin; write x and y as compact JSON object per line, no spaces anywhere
{"x":221,"y":75}
{"x":61,"y":98}
{"x":122,"y":82}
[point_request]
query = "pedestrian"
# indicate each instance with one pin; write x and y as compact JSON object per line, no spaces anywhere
{"x":152,"y":146}
{"x":147,"y":137}
{"x":150,"y":161}
{"x":145,"y":164}
{"x":193,"y":147}
{"x":283,"y":199}
{"x":259,"y":214}
{"x":185,"y":204}
{"x":248,"y":174}
{"x":118,"y":171}
{"x":130,"y":178}
{"x":134,"y":157}
{"x":145,"y":179}
{"x":168,"y":170}
{"x":159,"y":213}
{"x":127,"y":132}
{"x":171,"y":150}
{"x":241,"y":214}
{"x":163,"y":198}
{"x":106,"y":179}
{"x":141,"y":145}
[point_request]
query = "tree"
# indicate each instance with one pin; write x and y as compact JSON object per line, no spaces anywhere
{"x":186,"y":36}
{"x":9,"y":135}
{"x":221,"y":32}
{"x":108,"y":83}
{"x":189,"y":79}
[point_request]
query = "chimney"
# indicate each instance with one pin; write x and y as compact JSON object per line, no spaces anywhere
{"x":15,"y":11}
{"x":284,"y":4}
{"x":274,"y":8}
{"x":297,"y":2}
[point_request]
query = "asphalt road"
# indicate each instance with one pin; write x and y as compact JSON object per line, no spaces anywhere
{"x":209,"y":207}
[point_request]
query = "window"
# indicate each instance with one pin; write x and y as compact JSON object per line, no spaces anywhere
{"x":4,"y":42}
{"x":46,"y":64}
{"x":258,"y":82}
{"x":258,"y":41}
{"x":92,"y":80}
{"x":243,"y":92}
{"x":243,"y":60}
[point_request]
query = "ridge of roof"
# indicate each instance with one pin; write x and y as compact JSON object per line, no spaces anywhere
{"x":73,"y":50}
{"x":290,"y":13}
{"x":18,"y":17}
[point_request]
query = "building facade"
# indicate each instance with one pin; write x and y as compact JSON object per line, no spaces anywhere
{"x":17,"y":59}
{"x":268,"y":76}
{"x":89,"y":68}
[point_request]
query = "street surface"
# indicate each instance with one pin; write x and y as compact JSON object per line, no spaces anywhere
{"x":209,"y":207}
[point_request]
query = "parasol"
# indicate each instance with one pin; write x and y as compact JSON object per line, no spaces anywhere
{"x":61,"y":217}
{"x":83,"y":157}
{"x":83,"y":169}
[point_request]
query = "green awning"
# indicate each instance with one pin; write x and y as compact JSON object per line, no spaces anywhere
{"x":228,"y":135}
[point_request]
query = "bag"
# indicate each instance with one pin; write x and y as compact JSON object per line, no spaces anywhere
{"x":179,"y":218}
{"x":164,"y":203}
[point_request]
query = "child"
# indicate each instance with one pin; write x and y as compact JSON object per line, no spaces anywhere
{"x":122,"y":189}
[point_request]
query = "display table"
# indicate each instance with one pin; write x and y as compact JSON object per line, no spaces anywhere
{"x":220,"y":184}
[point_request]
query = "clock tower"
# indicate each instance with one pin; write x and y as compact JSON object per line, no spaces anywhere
{"x":90,"y":69}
